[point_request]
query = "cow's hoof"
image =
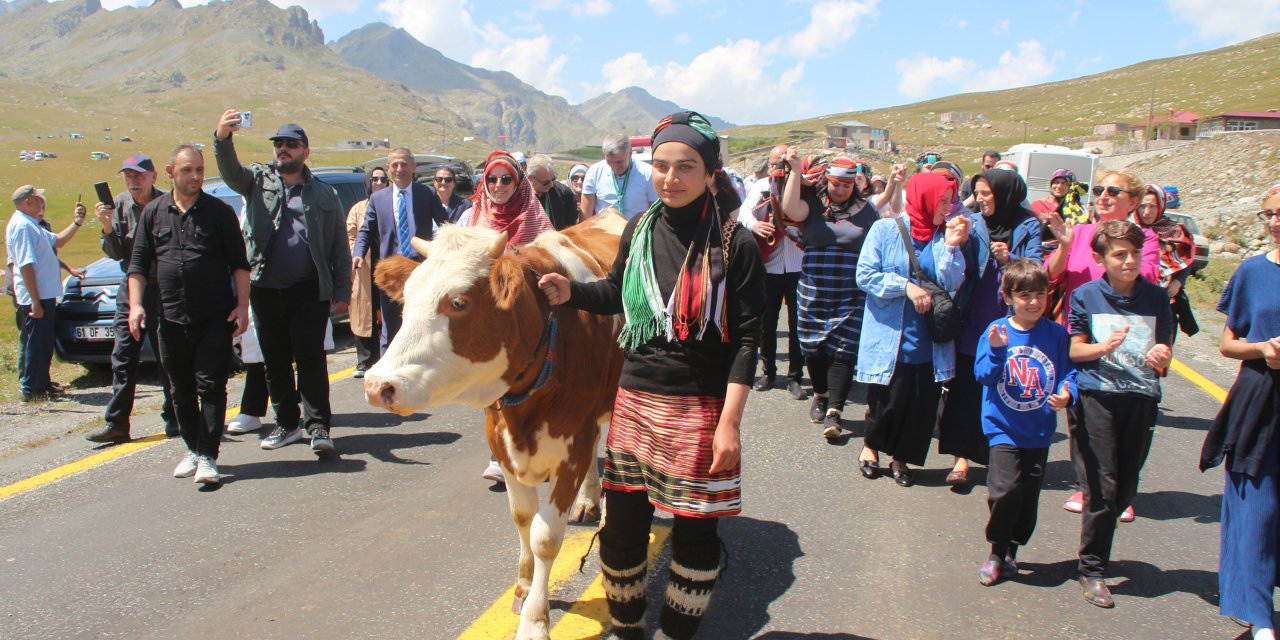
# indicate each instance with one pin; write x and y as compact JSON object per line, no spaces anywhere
{"x":585,"y":513}
{"x":517,"y":603}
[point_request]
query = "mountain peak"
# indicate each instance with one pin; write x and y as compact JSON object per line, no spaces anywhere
{"x":634,"y":110}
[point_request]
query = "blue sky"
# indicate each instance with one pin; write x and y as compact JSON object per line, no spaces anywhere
{"x":758,"y":62}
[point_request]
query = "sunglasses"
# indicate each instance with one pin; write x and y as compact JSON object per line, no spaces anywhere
{"x":379,"y":180}
{"x":444,"y":179}
{"x":505,"y":180}
{"x":1114,"y":192}
{"x":292,"y":144}
{"x":545,"y":183}
{"x":1267,"y":215}
{"x":578,"y":178}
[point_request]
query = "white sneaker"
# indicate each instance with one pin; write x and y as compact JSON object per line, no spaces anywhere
{"x":280,"y":437}
{"x":207,"y":471}
{"x":243,"y":423}
{"x":493,"y":473}
{"x":187,"y":467}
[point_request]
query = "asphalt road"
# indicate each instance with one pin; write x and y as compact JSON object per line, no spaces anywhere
{"x":398,"y":537}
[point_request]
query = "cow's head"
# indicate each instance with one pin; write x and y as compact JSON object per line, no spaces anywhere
{"x":469,"y":311}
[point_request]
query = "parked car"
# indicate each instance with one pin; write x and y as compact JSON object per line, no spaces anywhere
{"x":1202,"y":243}
{"x":84,"y":330}
{"x":426,"y":170}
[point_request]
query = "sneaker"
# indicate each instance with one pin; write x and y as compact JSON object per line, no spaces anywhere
{"x":1127,"y":515}
{"x":187,"y":467}
{"x":280,"y":437}
{"x":832,"y":426}
{"x":818,"y":409}
{"x":359,"y":373}
{"x":796,"y":390}
{"x":320,"y":440}
{"x":244,"y":423}
{"x":493,"y":473}
{"x":1075,"y":504}
{"x":207,"y":470}
{"x":108,"y":433}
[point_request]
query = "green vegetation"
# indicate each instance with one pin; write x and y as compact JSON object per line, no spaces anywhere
{"x":592,"y":154}
{"x":746,"y":143}
{"x":1206,"y":287}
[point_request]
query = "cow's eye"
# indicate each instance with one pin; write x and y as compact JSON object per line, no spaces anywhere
{"x":459,"y":303}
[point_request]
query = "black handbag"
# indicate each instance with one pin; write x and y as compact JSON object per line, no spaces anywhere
{"x":943,"y":319}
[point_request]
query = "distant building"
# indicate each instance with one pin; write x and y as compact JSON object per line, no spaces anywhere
{"x":362,"y":145}
{"x":955,"y":117}
{"x":1239,"y":121}
{"x":1176,"y":125}
{"x":1108,"y":129}
{"x":856,"y":135}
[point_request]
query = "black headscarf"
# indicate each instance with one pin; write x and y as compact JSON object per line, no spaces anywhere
{"x":1010,"y":192}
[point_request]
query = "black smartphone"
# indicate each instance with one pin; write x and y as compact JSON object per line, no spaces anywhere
{"x":104,"y":193}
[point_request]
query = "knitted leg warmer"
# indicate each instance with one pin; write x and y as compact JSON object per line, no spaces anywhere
{"x":624,"y":573}
{"x":694,"y":569}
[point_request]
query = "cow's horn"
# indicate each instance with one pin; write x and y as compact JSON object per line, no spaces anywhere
{"x":499,"y":245}
{"x":420,"y":246}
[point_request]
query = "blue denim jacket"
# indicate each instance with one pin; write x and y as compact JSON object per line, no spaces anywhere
{"x":883,"y":270}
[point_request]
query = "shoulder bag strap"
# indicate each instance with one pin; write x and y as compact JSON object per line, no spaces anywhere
{"x":911,"y":250}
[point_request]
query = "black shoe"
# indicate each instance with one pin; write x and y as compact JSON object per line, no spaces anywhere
{"x":831,"y":426}
{"x":359,"y":373}
{"x":818,"y":409}
{"x":903,"y":477}
{"x":108,"y":433}
{"x":171,"y":430}
{"x":796,"y":390}
{"x":1096,"y":592}
{"x":870,"y":469}
{"x":764,"y":383}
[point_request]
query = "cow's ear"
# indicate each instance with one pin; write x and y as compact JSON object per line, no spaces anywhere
{"x":506,"y":281}
{"x":391,"y":275}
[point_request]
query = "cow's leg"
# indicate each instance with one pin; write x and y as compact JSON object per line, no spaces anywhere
{"x":586,"y":508}
{"x":524,"y":506}
{"x":545,"y":537}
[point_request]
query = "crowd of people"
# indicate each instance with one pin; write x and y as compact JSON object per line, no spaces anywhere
{"x":965,"y":312}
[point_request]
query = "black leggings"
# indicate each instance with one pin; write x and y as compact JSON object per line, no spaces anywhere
{"x":832,"y":377}
{"x":630,"y":515}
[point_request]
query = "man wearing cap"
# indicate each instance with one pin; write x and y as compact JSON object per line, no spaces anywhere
{"x":295,"y":236}
{"x":36,"y":285}
{"x":618,"y":181}
{"x":119,"y":228}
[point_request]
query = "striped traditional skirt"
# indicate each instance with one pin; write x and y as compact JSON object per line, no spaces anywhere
{"x":662,"y":445}
{"x":830,"y":303}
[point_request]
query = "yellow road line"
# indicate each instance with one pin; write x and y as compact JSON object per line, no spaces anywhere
{"x":589,"y":615}
{"x":1204,"y":383}
{"x":107,"y":455}
{"x":498,"y":622}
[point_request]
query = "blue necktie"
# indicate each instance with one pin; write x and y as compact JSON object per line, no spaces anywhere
{"x":402,"y":226}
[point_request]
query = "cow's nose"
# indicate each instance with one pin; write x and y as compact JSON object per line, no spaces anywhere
{"x":379,"y":392}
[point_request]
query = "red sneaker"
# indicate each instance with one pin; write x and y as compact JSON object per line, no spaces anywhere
{"x":1075,"y":504}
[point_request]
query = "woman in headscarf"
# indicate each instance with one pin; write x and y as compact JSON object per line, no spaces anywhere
{"x":897,"y":357}
{"x":577,"y":174}
{"x":1177,"y":248}
{"x":362,"y":316}
{"x":1001,"y":231}
{"x":690,"y":284}
{"x":445,"y":182}
{"x":835,"y":216}
{"x":1245,"y":437}
{"x":1064,"y":202}
{"x":505,"y":202}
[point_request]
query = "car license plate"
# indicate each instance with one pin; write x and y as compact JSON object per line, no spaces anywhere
{"x":96,"y":333}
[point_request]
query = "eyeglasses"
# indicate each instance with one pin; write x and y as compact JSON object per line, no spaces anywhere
{"x":1112,"y":191}
{"x":292,"y":144}
{"x":379,"y":180}
{"x":505,"y":180}
{"x":444,"y":179}
{"x":1267,"y":215}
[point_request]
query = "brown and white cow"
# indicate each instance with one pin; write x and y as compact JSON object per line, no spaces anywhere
{"x":477,"y":331}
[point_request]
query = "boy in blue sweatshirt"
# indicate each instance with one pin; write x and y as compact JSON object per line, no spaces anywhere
{"x":1121,"y":337}
{"x":1024,"y":366}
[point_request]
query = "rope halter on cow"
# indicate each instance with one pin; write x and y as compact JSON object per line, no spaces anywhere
{"x":548,"y":365}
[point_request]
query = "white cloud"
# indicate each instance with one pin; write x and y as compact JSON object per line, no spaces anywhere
{"x":956,"y":22}
{"x":529,"y":59}
{"x":593,"y":8}
{"x":1232,"y":21}
{"x":681,"y":38}
{"x":1001,"y":27}
{"x":919,"y":73}
{"x":663,"y":7}
{"x":831,"y":24}
{"x":456,"y":37}
{"x":1028,"y":66}
{"x":1073,"y":18}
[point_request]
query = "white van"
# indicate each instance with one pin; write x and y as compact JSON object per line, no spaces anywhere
{"x":1037,"y":162}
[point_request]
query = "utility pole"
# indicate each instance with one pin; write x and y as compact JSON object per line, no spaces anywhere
{"x":1151,"y":115}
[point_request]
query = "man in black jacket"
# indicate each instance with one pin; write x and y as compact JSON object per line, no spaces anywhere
{"x":119,"y":225}
{"x":557,"y":198}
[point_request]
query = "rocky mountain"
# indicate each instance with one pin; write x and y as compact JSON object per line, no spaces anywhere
{"x":634,"y":111}
{"x":496,"y":102}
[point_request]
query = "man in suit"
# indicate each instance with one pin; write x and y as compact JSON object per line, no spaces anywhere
{"x":394,"y":216}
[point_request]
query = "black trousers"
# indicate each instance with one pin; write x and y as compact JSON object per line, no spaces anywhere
{"x":832,"y":377}
{"x":901,"y":414}
{"x":391,"y":316}
{"x":127,"y":352}
{"x":368,"y":349}
{"x":1110,"y":437}
{"x":253,"y":399}
{"x":960,"y":421}
{"x":197,"y":360}
{"x":1014,"y":478}
{"x":291,"y":325}
{"x":779,"y":288}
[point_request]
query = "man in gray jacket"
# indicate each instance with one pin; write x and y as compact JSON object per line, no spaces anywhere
{"x":296,"y":240}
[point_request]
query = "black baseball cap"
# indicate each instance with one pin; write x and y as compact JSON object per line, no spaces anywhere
{"x":291,"y":132}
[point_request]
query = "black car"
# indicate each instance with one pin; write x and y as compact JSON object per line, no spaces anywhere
{"x":425,"y":170}
{"x":84,"y":330}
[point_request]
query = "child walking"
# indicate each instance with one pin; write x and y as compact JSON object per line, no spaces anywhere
{"x":1024,"y":366}
{"x":1121,"y":339}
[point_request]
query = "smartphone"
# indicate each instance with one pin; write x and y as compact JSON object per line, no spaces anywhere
{"x":246,"y":119}
{"x":104,"y":193}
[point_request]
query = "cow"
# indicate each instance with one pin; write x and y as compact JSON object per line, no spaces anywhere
{"x":478,"y":331}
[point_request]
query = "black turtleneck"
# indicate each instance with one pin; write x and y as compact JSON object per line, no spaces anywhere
{"x":693,"y":367}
